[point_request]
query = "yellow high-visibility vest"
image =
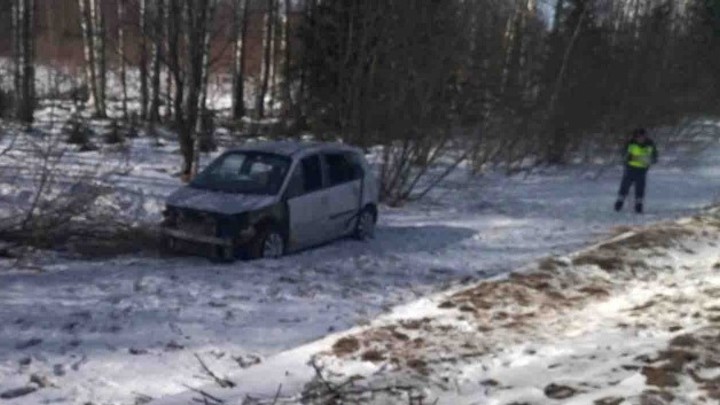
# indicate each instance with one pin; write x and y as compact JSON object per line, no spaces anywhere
{"x":639,"y":156}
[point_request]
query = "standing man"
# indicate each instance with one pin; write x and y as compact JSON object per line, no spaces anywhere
{"x":639,"y":154}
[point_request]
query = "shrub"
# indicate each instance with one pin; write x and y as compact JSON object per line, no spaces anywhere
{"x":115,"y":135}
{"x":79,"y":133}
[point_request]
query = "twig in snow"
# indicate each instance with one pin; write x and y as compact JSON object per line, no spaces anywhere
{"x":222,"y":382}
{"x":277,"y":395}
{"x":330,"y":392}
{"x":318,"y":373}
{"x":205,"y":396}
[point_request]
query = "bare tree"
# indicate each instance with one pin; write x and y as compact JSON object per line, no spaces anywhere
{"x":265,"y":74}
{"x":158,"y":14}
{"x":93,"y":30}
{"x":287,"y":37}
{"x":240,"y":30}
{"x":24,"y":58}
{"x":169,"y":102}
{"x":121,"y":14}
{"x":99,"y":33}
{"x":143,"y":60}
{"x":198,"y":15}
{"x":174,"y":63}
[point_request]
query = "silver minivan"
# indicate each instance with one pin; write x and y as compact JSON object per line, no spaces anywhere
{"x":266,"y":199}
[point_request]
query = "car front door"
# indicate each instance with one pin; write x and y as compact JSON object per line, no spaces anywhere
{"x":307,"y":202}
{"x":344,"y":188}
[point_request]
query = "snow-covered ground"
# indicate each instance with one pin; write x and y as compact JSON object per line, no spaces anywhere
{"x":120,"y":330}
{"x":632,"y":320}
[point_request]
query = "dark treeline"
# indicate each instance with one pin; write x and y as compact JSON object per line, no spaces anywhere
{"x":402,"y":68}
{"x":433,"y":80}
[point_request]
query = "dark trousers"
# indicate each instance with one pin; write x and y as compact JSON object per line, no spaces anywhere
{"x":633,"y":176}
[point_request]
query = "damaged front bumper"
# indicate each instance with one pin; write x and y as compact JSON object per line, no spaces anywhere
{"x":243,"y":237}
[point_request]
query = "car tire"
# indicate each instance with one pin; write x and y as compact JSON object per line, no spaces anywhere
{"x":168,"y":245}
{"x":268,"y":244}
{"x":224,"y":254}
{"x":365,"y":226}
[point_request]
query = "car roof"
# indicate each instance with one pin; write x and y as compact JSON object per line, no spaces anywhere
{"x":292,"y":148}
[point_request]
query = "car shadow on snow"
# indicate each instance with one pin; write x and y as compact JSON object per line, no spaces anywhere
{"x":390,"y":240}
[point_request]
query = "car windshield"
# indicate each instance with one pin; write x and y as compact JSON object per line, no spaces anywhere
{"x":244,"y":173}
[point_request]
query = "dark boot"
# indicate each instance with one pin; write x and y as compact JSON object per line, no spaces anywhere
{"x":639,"y":208}
{"x":618,"y":205}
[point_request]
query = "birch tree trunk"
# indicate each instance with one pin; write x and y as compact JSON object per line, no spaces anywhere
{"x":93,"y":30}
{"x":24,"y":55}
{"x":175,"y":21}
{"x":88,"y":48}
{"x":198,"y":17}
{"x":121,"y":13}
{"x":168,"y":76}
{"x":240,"y":32}
{"x":287,"y":60}
{"x":202,"y":118}
{"x":158,"y":14}
{"x":98,"y":32}
{"x":143,"y":62}
{"x":16,"y":47}
{"x":267,"y":56}
{"x":275,"y":37}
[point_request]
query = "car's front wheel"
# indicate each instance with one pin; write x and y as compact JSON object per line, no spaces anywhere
{"x":224,"y":253}
{"x":169,"y":244}
{"x":365,"y":227}
{"x":268,"y":244}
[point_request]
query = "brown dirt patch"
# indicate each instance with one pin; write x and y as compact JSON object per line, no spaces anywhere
{"x":609,"y":401}
{"x":418,"y":365}
{"x":660,"y":377}
{"x":644,"y":306}
{"x":447,"y":305}
{"x":557,"y":391}
{"x":656,"y":397}
{"x":400,"y":336}
{"x":604,"y":260}
{"x":664,"y":236}
{"x":684,"y":341}
{"x":676,"y":359}
{"x":595,"y":291}
{"x":415,"y":324}
{"x":539,"y":280}
{"x":373,"y":355}
{"x":345,"y":346}
{"x":550,"y":264}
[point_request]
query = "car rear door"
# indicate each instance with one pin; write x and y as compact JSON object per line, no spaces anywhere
{"x":307,"y":202}
{"x":344,"y":187}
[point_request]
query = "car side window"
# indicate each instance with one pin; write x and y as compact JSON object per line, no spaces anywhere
{"x":296,"y":185}
{"x":306,"y":178}
{"x":312,"y":173}
{"x":343,"y":168}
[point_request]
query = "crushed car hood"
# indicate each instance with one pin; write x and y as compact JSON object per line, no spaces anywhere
{"x":221,"y":203}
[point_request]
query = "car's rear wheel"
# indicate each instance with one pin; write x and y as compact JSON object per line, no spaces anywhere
{"x":268,"y":244}
{"x":365,"y":227}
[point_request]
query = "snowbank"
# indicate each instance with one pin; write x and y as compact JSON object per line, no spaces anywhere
{"x":630,"y":320}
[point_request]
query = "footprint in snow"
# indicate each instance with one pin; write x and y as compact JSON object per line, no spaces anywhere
{"x":26,"y":344}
